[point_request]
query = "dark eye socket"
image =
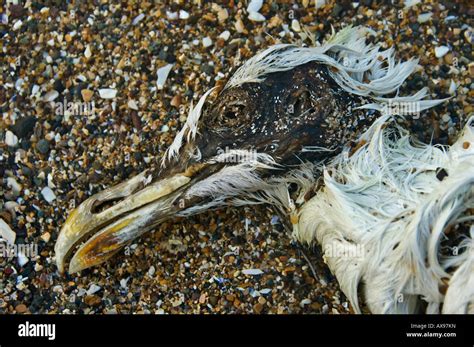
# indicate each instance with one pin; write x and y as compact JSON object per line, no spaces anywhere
{"x":232,"y":112}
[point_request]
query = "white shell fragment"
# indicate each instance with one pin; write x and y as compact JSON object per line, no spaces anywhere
{"x":7,"y":233}
{"x":253,"y":8}
{"x":107,"y":93}
{"x":10,"y":139}
{"x":48,"y":194}
{"x":252,"y":272}
{"x":162,"y":74}
{"x":51,"y":95}
{"x":441,"y":51}
{"x":138,"y":19}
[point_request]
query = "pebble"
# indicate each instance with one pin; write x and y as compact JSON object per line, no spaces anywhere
{"x":42,"y":146}
{"x":107,"y":93}
{"x":295,"y":25}
{"x":46,"y":237}
{"x":48,"y":194}
{"x":258,"y":308}
{"x":21,"y":308}
{"x":23,"y":126}
{"x":440,"y":51}
{"x":424,"y":17}
{"x":6,"y":233}
{"x":87,"y":94}
{"x":176,"y":101}
{"x":51,"y":95}
{"x":471,"y":70}
{"x":132,"y":104}
{"x":14,"y":185}
{"x":222,"y":15}
{"x":22,"y":259}
{"x":183,"y":14}
{"x":138,"y":19}
{"x":207,"y":42}
{"x":225,"y":35}
{"x":92,"y":300}
{"x":88,"y":52}
{"x":239,"y":26}
{"x":11,"y":139}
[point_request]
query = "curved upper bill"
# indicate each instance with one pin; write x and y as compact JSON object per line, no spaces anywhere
{"x":115,"y":217}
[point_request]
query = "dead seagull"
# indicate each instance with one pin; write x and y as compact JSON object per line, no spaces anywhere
{"x":313,"y":132}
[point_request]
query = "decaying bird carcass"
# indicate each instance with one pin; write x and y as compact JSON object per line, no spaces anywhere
{"x":308,"y":130}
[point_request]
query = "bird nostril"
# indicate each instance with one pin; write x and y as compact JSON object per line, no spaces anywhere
{"x":100,"y":206}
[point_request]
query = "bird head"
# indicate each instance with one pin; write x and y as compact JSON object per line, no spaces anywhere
{"x":228,"y":147}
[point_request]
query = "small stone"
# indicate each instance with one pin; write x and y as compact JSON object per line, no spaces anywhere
{"x":22,"y":259}
{"x":21,"y":308}
{"x":230,"y":297}
{"x":88,"y":52}
{"x":50,"y":96}
{"x":183,"y":14}
{"x":320,"y":3}
{"x":295,"y":25}
{"x":424,"y":17}
{"x":452,"y":87}
{"x":14,"y":185}
{"x":24,"y":126}
{"x":239,"y":26}
{"x":138,"y":19}
{"x":10,"y":139}
{"x":207,"y":42}
{"x":275,"y":21}
{"x":440,"y":51}
{"x":87,"y":94}
{"x":176,"y":101}
{"x":448,"y":58}
{"x":132,"y":104}
{"x":107,"y":93}
{"x":225,"y":35}
{"x":258,"y":308}
{"x":213,"y":300}
{"x":92,"y":300}
{"x":222,"y":14}
{"x":469,"y":35}
{"x":48,"y":194}
{"x":151,"y":271}
{"x":42,"y":146}
{"x":46,"y":237}
{"x":305,"y":302}
{"x":471,"y":70}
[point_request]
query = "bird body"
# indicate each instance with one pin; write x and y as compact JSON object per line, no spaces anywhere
{"x":308,"y":130}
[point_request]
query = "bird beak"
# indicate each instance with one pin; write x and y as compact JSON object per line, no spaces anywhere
{"x":114,"y":217}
